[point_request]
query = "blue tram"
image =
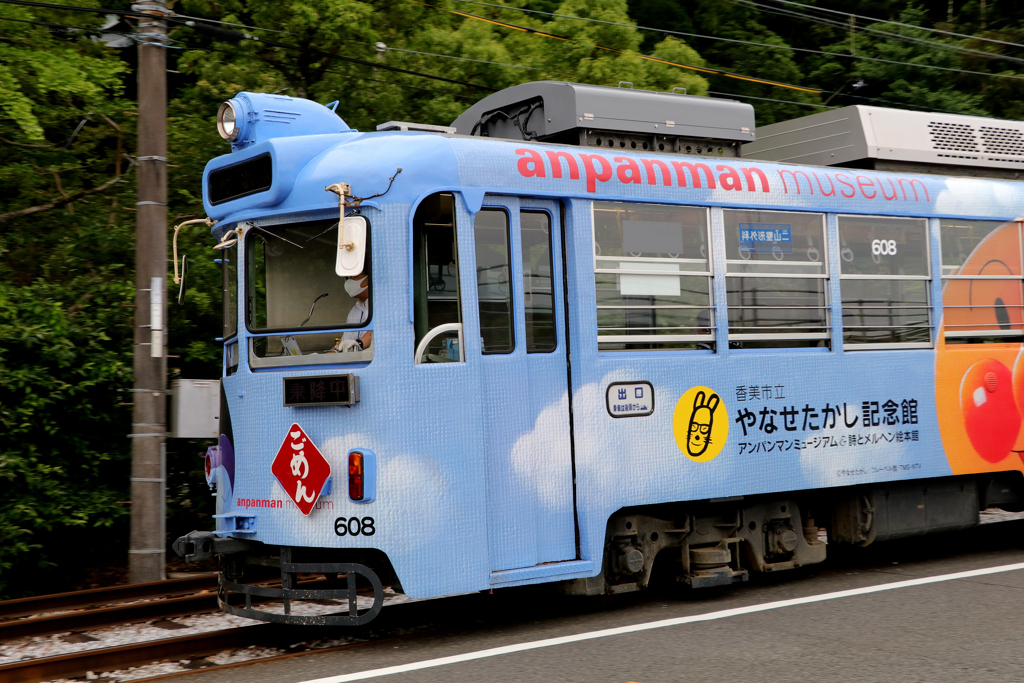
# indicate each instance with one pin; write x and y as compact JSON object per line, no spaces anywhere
{"x":457,"y":362}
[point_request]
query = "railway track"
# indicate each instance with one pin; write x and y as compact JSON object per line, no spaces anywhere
{"x":164,"y":600}
{"x":79,"y":610}
{"x":137,"y":654}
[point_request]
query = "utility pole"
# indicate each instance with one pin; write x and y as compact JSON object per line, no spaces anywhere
{"x":146,"y":554}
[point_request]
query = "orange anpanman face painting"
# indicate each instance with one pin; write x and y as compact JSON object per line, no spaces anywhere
{"x":980,"y":387}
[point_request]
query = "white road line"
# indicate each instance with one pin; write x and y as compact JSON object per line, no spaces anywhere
{"x":677,"y":621}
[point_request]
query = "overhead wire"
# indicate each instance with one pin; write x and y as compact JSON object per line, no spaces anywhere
{"x":86,"y":29}
{"x":186,"y":21}
{"x":230,"y":23}
{"x":948,"y":47}
{"x":244,"y":36}
{"x":462,"y":59}
{"x":74,"y":8}
{"x":743,"y":42}
{"x":817,"y":91}
{"x":769,"y":99}
{"x":353,"y":60}
{"x":208,"y":49}
{"x":91,"y":29}
{"x":701,"y":69}
{"x":349,"y":74}
{"x":897,"y":23}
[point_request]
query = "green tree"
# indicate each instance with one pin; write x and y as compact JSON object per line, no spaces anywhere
{"x":65,"y":291}
{"x":899,"y":84}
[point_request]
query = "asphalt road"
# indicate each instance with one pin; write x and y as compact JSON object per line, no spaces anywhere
{"x":962,"y":630}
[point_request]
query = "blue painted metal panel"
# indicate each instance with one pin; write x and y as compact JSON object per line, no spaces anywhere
{"x":526,"y":409}
{"x":441,"y":432}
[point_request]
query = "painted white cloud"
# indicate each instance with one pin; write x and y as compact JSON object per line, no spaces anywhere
{"x":977,"y":197}
{"x":541,"y":460}
{"x":404,"y":482}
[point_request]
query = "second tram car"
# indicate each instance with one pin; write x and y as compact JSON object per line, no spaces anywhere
{"x":563,"y":357}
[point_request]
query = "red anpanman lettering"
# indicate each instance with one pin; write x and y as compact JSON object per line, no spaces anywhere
{"x":598,"y":169}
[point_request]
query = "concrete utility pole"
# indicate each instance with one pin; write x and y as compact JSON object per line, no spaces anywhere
{"x":149,"y":414}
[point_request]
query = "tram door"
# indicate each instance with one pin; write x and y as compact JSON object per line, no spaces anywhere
{"x":523,"y":361}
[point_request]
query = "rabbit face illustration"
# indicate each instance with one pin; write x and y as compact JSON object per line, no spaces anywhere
{"x":701,"y":421}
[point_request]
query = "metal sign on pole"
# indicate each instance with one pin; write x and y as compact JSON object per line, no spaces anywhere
{"x":146,"y":554}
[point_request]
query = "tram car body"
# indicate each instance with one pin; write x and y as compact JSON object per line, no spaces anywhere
{"x":583,"y":359}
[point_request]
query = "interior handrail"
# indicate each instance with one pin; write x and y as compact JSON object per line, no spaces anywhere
{"x":432,"y":334}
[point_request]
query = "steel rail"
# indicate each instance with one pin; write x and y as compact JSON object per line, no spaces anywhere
{"x":138,"y":654}
{"x":41,"y":604}
{"x":110,"y":616}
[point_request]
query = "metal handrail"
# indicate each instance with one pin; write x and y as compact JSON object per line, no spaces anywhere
{"x":434,"y":333}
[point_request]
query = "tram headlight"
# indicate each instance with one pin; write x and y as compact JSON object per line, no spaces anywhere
{"x":227,"y":121}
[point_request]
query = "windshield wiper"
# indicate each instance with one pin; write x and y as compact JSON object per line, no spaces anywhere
{"x":312,"y":307}
{"x":332,"y":227}
{"x":267,"y":232}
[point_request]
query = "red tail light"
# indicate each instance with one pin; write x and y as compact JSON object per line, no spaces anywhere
{"x":355,"y":475}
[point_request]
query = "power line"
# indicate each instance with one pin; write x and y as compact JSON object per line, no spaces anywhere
{"x":73,"y":8}
{"x":463,"y":59}
{"x":769,"y":99}
{"x":241,"y":36}
{"x":201,"y":48}
{"x":750,"y":4}
{"x":702,"y":69}
{"x":244,"y":36}
{"x":744,"y":42}
{"x":228,"y":23}
{"x":347,"y":74}
{"x":89,"y":29}
{"x":897,"y":23}
{"x":322,"y":53}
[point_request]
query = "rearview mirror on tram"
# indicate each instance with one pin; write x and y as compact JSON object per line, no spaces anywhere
{"x":351,"y":247}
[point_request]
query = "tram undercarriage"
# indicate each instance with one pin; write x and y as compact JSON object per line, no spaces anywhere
{"x":724,"y":541}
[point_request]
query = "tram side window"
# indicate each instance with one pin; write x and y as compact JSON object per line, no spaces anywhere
{"x":229,"y":261}
{"x":494,"y":281}
{"x":981,"y":273}
{"x":885,"y":282}
{"x":652,"y":276}
{"x":436,"y":279}
{"x":229,"y":266}
{"x":538,"y":294}
{"x":776,"y":279}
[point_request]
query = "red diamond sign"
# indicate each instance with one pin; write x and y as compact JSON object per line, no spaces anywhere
{"x":301,"y":469}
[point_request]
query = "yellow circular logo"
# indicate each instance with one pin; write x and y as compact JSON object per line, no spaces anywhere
{"x":701,"y":424}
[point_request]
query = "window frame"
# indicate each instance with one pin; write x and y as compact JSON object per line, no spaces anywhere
{"x":928,"y":306}
{"x":708,"y":275}
{"x":420,"y":278}
{"x":513,"y":337}
{"x":249,"y":283}
{"x":230,"y":289}
{"x":551,"y":266}
{"x":826,"y":277}
{"x":982,"y":336}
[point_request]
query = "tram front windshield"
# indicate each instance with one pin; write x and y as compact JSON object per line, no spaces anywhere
{"x":292,"y":287}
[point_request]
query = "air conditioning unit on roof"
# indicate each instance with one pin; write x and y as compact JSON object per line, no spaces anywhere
{"x":896,"y":140}
{"x":621,"y":118}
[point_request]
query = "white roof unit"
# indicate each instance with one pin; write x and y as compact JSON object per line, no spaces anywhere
{"x":895,"y":139}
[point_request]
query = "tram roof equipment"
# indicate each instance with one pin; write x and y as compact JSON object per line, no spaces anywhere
{"x":896,"y":140}
{"x":602,"y":116}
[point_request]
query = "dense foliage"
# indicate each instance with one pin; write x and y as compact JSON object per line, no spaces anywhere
{"x":67,"y":136}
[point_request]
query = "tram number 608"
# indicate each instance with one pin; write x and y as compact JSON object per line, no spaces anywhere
{"x":354,"y":526}
{"x":883,"y":247}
